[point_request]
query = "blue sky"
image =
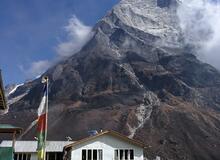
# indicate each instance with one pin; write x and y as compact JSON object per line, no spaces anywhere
{"x":30,"y":31}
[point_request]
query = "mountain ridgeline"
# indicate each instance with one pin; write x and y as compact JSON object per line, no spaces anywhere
{"x":137,"y":76}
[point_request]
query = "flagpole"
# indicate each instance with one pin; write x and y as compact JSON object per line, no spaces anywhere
{"x":46,"y":123}
{"x":43,"y":121}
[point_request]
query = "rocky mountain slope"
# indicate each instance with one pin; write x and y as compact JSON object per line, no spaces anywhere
{"x":135,"y":76}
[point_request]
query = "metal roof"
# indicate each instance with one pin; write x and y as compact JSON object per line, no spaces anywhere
{"x":7,"y":128}
{"x":31,"y":146}
{"x":112,"y":133}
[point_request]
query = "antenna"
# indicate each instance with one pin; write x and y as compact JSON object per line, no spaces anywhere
{"x":69,"y":138}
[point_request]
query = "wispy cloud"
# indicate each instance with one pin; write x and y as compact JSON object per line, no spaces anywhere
{"x":35,"y":68}
{"x":77,"y":34}
{"x":200,"y":21}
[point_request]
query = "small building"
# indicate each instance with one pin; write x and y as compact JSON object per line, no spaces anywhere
{"x":108,"y":145}
{"x":27,"y":150}
{"x":6,"y":152}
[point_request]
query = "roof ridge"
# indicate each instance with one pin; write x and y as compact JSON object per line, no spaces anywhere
{"x":110,"y":132}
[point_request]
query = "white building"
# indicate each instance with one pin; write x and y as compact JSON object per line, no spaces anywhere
{"x":108,"y":145}
{"x":27,"y":150}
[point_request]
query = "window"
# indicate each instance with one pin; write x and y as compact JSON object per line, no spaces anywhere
{"x":15,"y":156}
{"x":29,"y":157}
{"x":131,"y":154}
{"x":22,"y":156}
{"x":121,"y":154}
{"x":54,"y":156}
{"x":95,"y":155}
{"x":124,"y":154}
{"x":83,"y":154}
{"x":59,"y":156}
{"x":100,"y":154}
{"x":116,"y":154}
{"x":89,"y":154}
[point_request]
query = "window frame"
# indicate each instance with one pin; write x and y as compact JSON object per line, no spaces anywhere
{"x":99,"y":153}
{"x":23,"y":156}
{"x":118,"y":157}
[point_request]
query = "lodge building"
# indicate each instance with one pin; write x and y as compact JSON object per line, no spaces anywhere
{"x":107,"y":145}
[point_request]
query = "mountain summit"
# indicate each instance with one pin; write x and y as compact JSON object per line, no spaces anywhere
{"x":135,"y":76}
{"x":150,"y":22}
{"x":154,"y":17}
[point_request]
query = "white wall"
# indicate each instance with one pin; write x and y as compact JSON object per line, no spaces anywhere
{"x":108,"y":144}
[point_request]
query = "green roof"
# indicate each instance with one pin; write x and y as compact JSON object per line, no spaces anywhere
{"x":7,"y":128}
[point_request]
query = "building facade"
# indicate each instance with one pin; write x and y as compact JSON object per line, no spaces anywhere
{"x":27,"y":150}
{"x":107,"y":145}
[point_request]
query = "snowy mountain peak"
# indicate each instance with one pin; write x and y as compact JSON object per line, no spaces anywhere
{"x":147,"y":14}
{"x":155,"y":22}
{"x":153,"y":3}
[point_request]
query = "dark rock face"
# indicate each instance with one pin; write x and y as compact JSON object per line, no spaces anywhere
{"x":163,"y":3}
{"x":124,"y":81}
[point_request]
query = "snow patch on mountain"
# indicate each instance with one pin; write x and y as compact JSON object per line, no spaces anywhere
{"x":15,"y":99}
{"x":143,"y":112}
{"x":16,"y":92}
{"x":14,"y":89}
{"x":130,"y":72}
